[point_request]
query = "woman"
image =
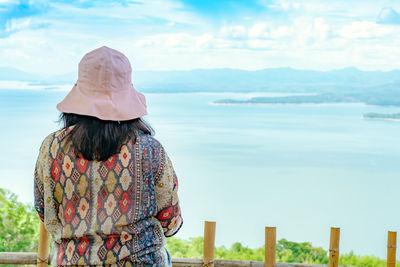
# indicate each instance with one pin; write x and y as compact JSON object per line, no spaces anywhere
{"x":104,"y":187}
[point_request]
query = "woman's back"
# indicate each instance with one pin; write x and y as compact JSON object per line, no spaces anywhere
{"x":106,"y":212}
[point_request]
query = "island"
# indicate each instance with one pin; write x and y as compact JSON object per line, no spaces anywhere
{"x":295,"y":99}
{"x":369,"y":98}
{"x":379,"y":116}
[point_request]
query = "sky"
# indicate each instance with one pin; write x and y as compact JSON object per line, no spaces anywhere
{"x":52,"y":36}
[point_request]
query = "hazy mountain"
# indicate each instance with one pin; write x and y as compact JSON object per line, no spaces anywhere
{"x":7,"y":73}
{"x":12,"y":74}
{"x":280,"y":79}
{"x":233,"y":80}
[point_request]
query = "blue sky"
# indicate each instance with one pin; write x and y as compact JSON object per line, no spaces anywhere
{"x":52,"y":36}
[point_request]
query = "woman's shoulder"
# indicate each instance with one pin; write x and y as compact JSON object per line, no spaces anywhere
{"x":149,"y":141}
{"x":151,"y":148}
{"x":152,"y":152}
{"x":53,"y":137}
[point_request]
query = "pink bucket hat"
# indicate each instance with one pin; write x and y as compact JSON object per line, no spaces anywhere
{"x":104,"y":88}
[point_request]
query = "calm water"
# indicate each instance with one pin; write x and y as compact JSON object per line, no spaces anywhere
{"x":302,"y":168}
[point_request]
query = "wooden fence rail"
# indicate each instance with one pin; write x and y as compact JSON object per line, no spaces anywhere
{"x":29,"y":258}
{"x":42,"y":258}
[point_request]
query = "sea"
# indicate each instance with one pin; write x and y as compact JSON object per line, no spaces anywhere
{"x":301,"y":168}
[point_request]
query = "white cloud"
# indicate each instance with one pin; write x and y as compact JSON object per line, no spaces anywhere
{"x":281,"y":32}
{"x":2,"y":2}
{"x":205,"y":41}
{"x":316,"y":28}
{"x":309,"y":32}
{"x":144,"y":43}
{"x":364,"y":29}
{"x":259,"y":44}
{"x":321,"y":28}
{"x":258,"y":30}
{"x":184,"y":42}
{"x":282,"y":5}
{"x":169,"y":10}
{"x":234,"y":32}
{"x":18,"y":24}
{"x":177,"y":40}
{"x":296,"y":5}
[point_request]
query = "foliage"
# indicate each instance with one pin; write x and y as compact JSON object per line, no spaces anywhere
{"x":350,"y":259}
{"x":193,"y":248}
{"x":286,"y":251}
{"x":19,"y":224}
{"x":240,"y":252}
{"x":181,"y":248}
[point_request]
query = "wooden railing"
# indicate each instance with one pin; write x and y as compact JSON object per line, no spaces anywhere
{"x":29,"y":258}
{"x":42,"y":258}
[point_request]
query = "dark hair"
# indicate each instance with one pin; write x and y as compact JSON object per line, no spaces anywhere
{"x":99,"y":139}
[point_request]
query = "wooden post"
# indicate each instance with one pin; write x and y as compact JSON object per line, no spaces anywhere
{"x":334,"y":247}
{"x":43,"y":250}
{"x":270,"y":246}
{"x":391,"y":249}
{"x":209,"y":243}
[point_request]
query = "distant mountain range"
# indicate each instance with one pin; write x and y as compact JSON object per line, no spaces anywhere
{"x":233,"y":80}
{"x":12,"y":74}
{"x":344,"y":85}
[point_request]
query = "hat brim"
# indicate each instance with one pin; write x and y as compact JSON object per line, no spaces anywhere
{"x":126,"y":104}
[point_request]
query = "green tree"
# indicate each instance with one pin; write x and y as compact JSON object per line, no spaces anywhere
{"x":192,"y":248}
{"x":350,"y":259}
{"x":239,"y":252}
{"x":288,"y":251}
{"x":19,"y":224}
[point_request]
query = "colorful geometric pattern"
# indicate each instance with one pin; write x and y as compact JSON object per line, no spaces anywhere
{"x":117,"y":211}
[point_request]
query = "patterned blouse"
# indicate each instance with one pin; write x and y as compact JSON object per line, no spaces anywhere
{"x":114,"y":212}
